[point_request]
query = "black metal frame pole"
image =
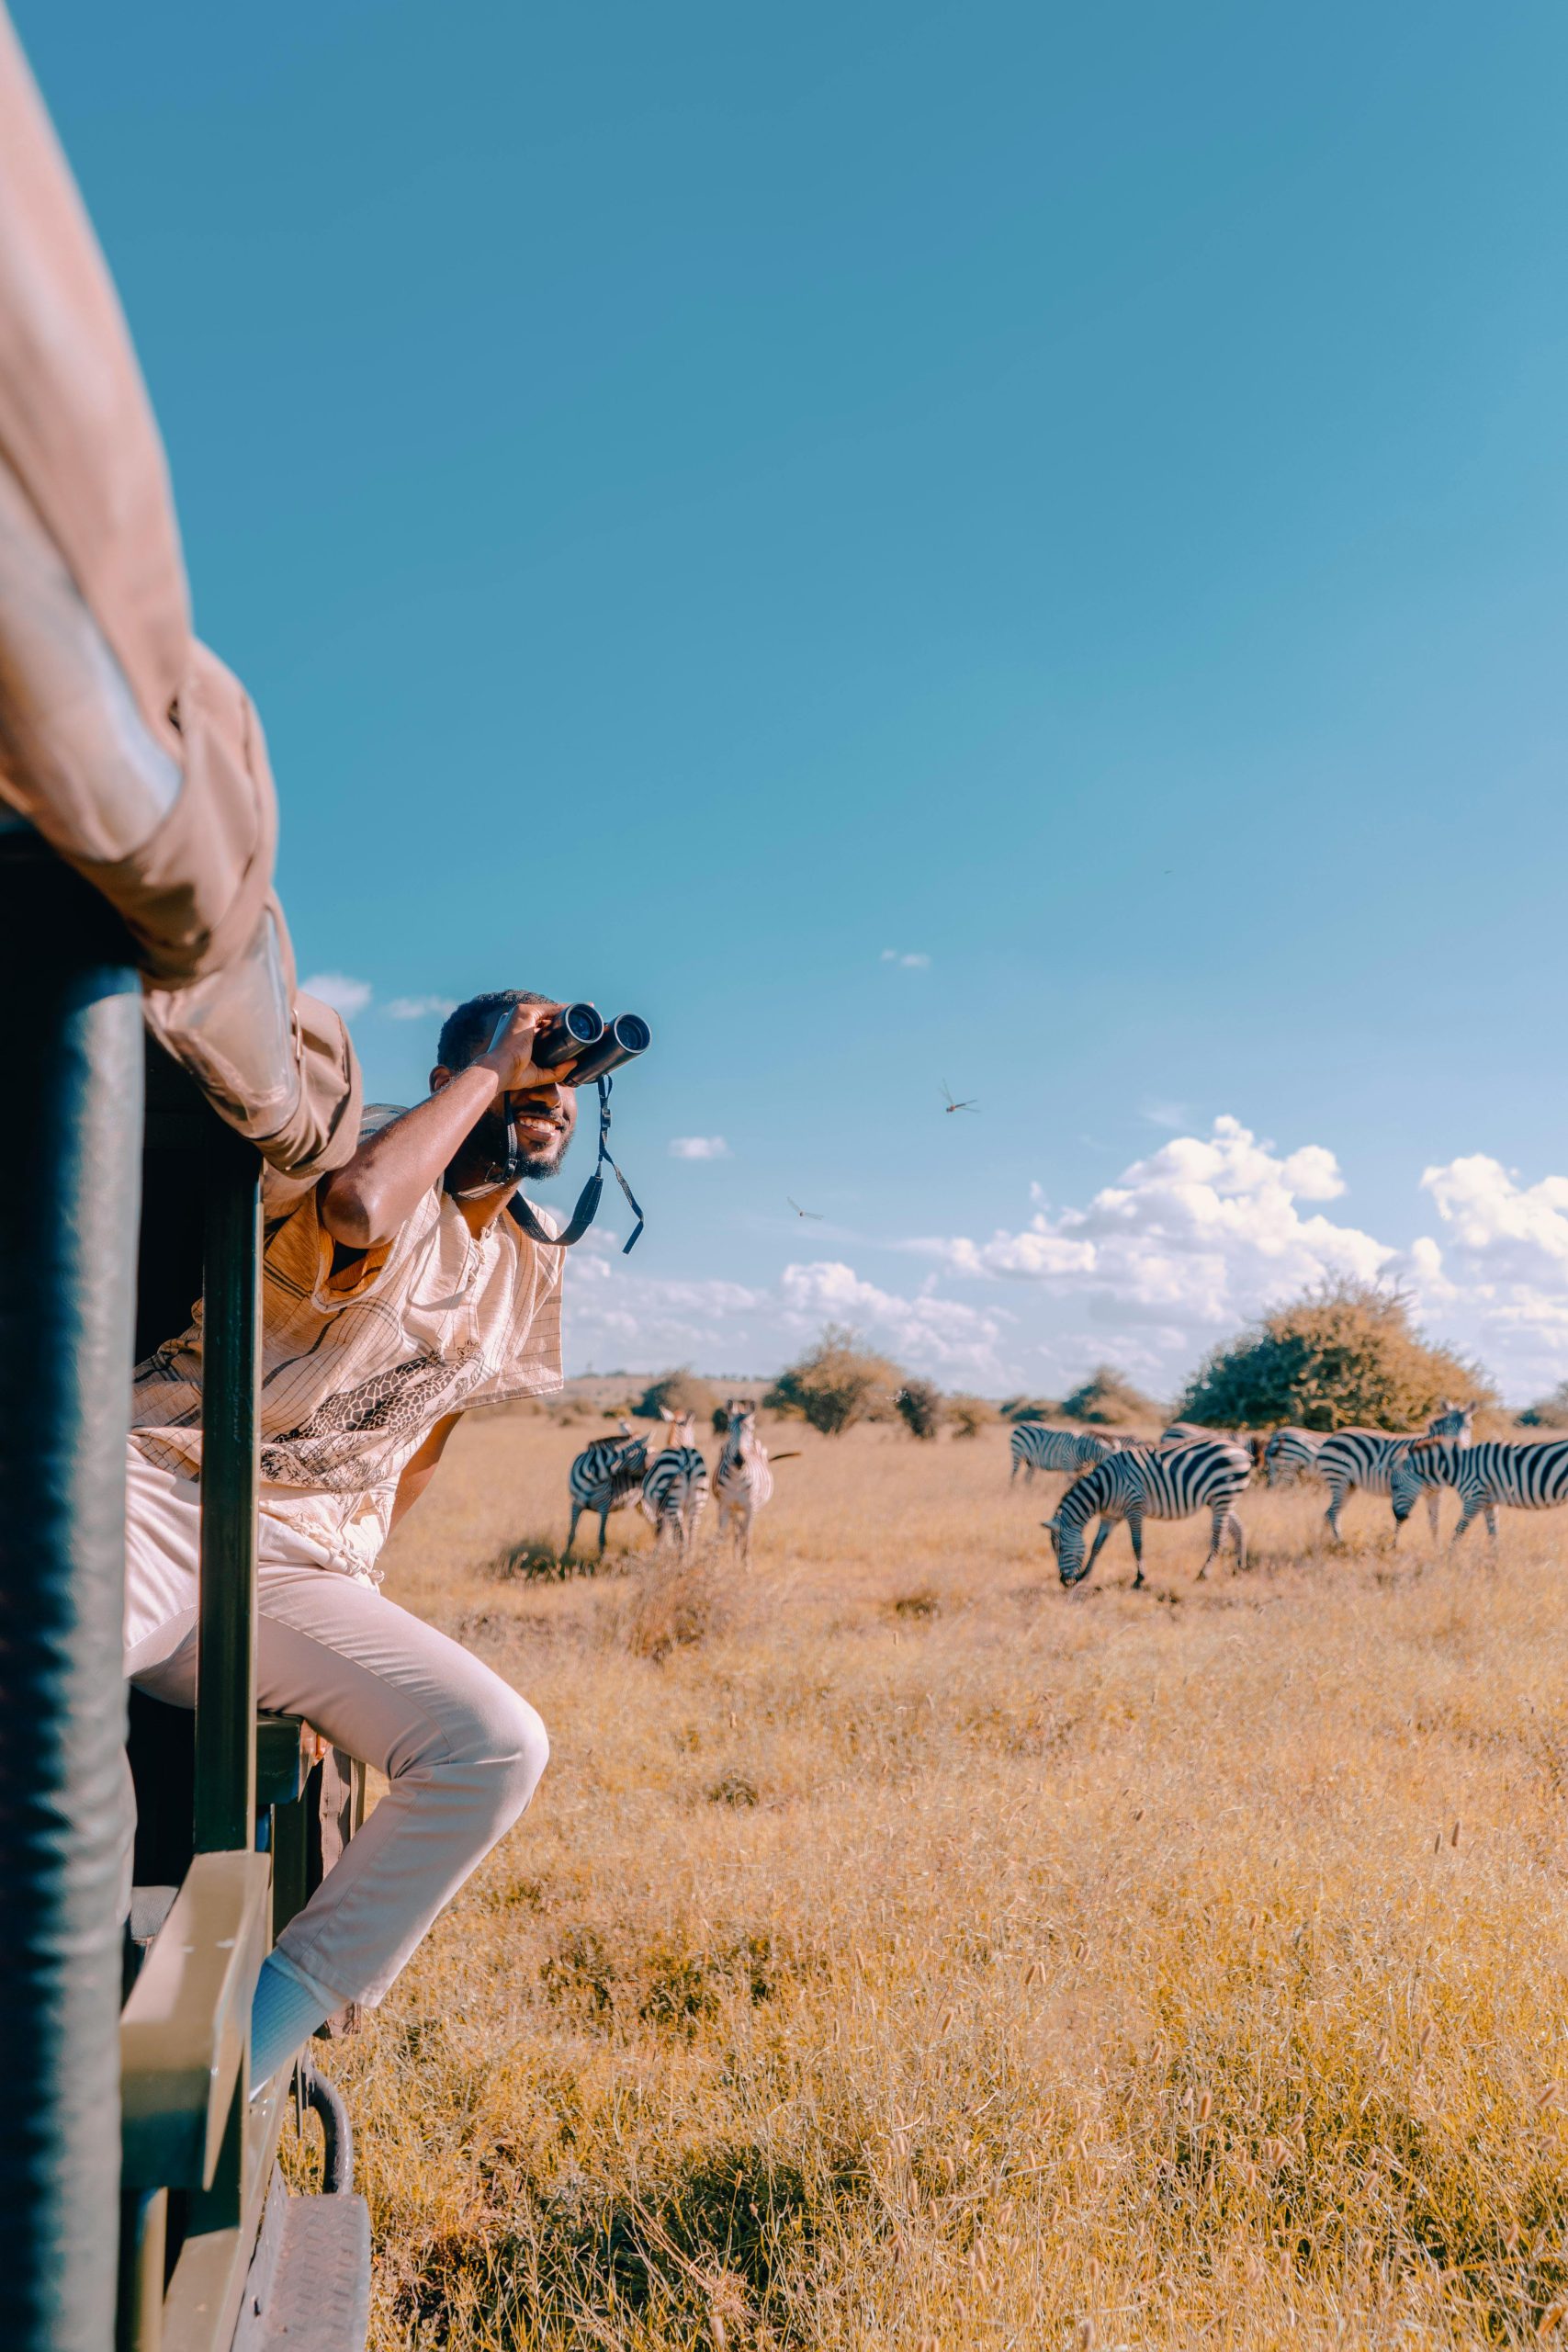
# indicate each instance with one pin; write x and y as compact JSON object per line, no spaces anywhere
{"x":71,"y":1056}
{"x":226,"y":1652}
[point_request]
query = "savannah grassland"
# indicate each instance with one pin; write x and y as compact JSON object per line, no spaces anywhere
{"x":901,"y":1952}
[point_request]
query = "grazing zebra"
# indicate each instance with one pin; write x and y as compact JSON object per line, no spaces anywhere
{"x":1151,"y":1482}
{"x":1523,"y":1478}
{"x":1292,"y":1450}
{"x":1034,"y":1447}
{"x":605,"y":1477}
{"x":675,"y":1484}
{"x":1367,"y":1459}
{"x":743,"y":1481}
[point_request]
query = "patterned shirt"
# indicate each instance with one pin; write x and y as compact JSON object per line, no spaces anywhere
{"x":358,"y":1367}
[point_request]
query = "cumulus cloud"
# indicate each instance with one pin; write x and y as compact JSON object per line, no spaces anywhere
{"x":1187,"y":1245}
{"x":345,"y":994}
{"x":419,"y":1008}
{"x":1199,"y":1236}
{"x":1497,"y":1280}
{"x":906,"y":963}
{"x":698,"y":1148}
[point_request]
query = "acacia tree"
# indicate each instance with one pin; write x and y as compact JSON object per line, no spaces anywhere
{"x":1341,"y":1355}
{"x":836,"y":1383}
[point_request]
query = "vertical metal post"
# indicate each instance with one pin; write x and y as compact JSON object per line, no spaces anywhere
{"x":70,"y":1176}
{"x":226,"y":1651}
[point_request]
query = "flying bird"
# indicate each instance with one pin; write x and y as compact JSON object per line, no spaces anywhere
{"x":815,"y":1215}
{"x":951,"y":1105}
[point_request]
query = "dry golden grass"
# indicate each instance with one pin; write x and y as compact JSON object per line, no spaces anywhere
{"x":903,"y":1952}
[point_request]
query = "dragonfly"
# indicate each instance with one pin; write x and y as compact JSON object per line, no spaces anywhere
{"x":950,"y":1104}
{"x":815,"y":1215}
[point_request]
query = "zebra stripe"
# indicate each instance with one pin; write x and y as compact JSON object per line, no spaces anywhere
{"x":742,"y":1480}
{"x":1292,"y":1450}
{"x":1151,"y":1482}
{"x":605,"y":1477}
{"x":1367,"y":1459}
{"x":675,"y":1486}
{"x":1521,"y":1476}
{"x":1034,"y":1447}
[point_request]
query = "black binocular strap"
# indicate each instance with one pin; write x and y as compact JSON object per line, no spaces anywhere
{"x":587,"y":1207}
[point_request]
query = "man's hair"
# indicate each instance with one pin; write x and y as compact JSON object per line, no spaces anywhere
{"x":468,"y":1030}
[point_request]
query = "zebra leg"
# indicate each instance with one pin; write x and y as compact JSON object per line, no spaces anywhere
{"x":1336,"y":1493}
{"x":603,"y":1530}
{"x":1239,"y":1534}
{"x":1432,"y":1503}
{"x":1102,"y":1539}
{"x":1217,"y":1518}
{"x":1136,"y":1529}
{"x":571,"y":1531}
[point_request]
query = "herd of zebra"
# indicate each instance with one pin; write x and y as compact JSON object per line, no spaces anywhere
{"x":1189,"y":1469}
{"x":672,"y":1491}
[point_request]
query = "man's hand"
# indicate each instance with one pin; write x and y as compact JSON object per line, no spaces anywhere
{"x":511,"y":1057}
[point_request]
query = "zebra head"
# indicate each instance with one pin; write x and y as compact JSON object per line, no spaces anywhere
{"x":741,"y":1413}
{"x":1451,"y":1421}
{"x":681,"y":1428}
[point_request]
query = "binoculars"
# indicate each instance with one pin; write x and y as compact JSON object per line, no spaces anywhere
{"x":599,"y":1046}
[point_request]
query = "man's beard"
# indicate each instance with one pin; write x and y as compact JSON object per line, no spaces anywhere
{"x":491,"y":1163}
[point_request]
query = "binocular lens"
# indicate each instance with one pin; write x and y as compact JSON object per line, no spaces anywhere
{"x":627,"y":1036}
{"x":577,"y":1027}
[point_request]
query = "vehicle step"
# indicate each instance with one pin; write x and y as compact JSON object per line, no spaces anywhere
{"x":309,"y":2285}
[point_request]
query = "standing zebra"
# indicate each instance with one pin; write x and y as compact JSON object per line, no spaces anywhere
{"x":1292,"y":1450}
{"x":1522,"y":1478}
{"x":605,"y":1477}
{"x":675,"y":1486}
{"x":742,"y":1482}
{"x":1034,"y":1447}
{"x":1151,"y":1482}
{"x":1367,"y":1458}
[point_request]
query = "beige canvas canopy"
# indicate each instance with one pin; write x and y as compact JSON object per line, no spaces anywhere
{"x":123,"y":741}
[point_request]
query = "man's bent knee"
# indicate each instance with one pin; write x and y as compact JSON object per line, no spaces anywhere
{"x":498,"y":1742}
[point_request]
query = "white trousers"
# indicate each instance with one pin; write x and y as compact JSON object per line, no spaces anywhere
{"x":463,"y":1753}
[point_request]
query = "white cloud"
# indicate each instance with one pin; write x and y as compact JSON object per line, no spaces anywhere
{"x":419,"y":1008}
{"x":910,"y":963}
{"x":345,"y":995}
{"x":1498,"y":1279}
{"x":698,"y":1148}
{"x":1186,"y":1246}
{"x":1194,"y":1239}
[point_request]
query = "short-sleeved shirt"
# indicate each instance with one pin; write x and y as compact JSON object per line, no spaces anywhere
{"x":358,"y":1367}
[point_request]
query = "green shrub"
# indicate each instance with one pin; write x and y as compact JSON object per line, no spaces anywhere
{"x":1031,"y":1408}
{"x":970,"y":1415}
{"x":1107,"y":1399}
{"x":836,"y":1383}
{"x":1342,"y":1355}
{"x":921,"y":1407}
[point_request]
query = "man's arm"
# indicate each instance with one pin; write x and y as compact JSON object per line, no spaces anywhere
{"x":421,"y":1467}
{"x":368,"y":1199}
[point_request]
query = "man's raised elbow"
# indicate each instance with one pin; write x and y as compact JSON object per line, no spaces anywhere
{"x":351,"y":1211}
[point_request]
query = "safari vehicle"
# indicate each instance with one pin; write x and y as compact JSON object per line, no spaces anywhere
{"x":156,"y":1054}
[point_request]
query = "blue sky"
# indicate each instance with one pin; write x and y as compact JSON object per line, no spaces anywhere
{"x":705,"y":497}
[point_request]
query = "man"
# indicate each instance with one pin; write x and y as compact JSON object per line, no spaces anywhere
{"x":396,"y":1293}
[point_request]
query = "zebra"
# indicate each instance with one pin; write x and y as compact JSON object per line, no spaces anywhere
{"x":605,"y":1477}
{"x":1034,"y":1447}
{"x":742,"y":1482}
{"x":1195,"y":1434}
{"x":1367,"y":1459}
{"x":1524,"y":1477}
{"x":1292,"y":1450}
{"x":1151,"y":1482}
{"x":675,"y":1484}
